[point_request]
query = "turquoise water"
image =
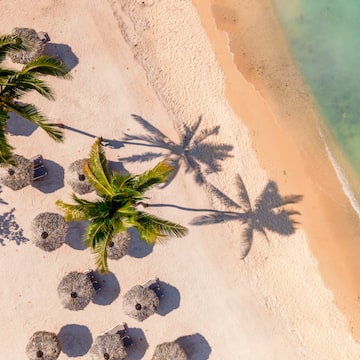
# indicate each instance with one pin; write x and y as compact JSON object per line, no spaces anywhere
{"x":324,"y":36}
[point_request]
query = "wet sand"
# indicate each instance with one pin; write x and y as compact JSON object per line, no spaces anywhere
{"x":251,"y":48}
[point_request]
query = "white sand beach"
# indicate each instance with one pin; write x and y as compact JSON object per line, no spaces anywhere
{"x":154,"y":59}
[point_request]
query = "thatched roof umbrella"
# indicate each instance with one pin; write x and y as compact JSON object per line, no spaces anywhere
{"x":43,"y":345}
{"x":140,"y":302}
{"x":76,"y":290}
{"x":169,"y":351}
{"x":108,"y":347}
{"x":76,"y":178}
{"x":19,"y":176}
{"x":119,"y":246}
{"x":33,"y":43}
{"x":48,"y":231}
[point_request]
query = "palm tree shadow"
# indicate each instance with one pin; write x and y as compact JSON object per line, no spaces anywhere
{"x":1,"y":200}
{"x":195,"y":346}
{"x":199,"y":157}
{"x":10,"y":229}
{"x":62,"y":52}
{"x":75,"y":340}
{"x":268,"y":214}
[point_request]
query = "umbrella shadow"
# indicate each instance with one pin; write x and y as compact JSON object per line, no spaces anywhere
{"x":111,"y":143}
{"x":63,"y":52}
{"x":75,"y":340}
{"x":170,"y":299}
{"x":75,"y":235}
{"x":10,"y":229}
{"x":140,"y":344}
{"x":110,"y":289}
{"x":195,"y":346}
{"x":53,"y":181}
{"x":193,"y":151}
{"x":269,"y":212}
{"x":138,"y":248}
{"x":18,"y":126}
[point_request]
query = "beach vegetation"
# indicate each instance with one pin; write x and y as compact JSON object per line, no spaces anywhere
{"x":14,"y":84}
{"x":117,"y":208}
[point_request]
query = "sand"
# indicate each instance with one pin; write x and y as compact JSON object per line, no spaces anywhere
{"x":154,"y":59}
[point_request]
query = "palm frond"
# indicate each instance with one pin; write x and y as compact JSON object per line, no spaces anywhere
{"x":47,"y":65}
{"x":157,"y":175}
{"x":204,"y":134}
{"x":96,"y":169}
{"x":5,"y":148}
{"x":30,"y":113}
{"x":151,"y":228}
{"x":18,"y":84}
{"x":291,"y":199}
{"x":189,"y":133}
{"x":9,"y":43}
{"x":79,"y":211}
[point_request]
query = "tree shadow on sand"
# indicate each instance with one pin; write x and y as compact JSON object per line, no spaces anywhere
{"x":62,"y":52}
{"x":111,"y":143}
{"x":10,"y":229}
{"x":195,"y":346}
{"x":1,"y":200}
{"x":191,"y":150}
{"x":268,"y":214}
{"x":75,"y":340}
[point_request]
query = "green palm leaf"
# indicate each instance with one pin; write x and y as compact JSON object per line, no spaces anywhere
{"x":157,"y":175}
{"x":30,"y":113}
{"x":20,"y":83}
{"x":151,"y":228}
{"x":5,"y":148}
{"x":10,"y":43}
{"x":96,"y":170}
{"x":47,"y":65}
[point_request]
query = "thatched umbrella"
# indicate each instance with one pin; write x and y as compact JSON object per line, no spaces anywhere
{"x":76,"y":290}
{"x":119,"y":246}
{"x":76,"y":178}
{"x":108,"y":347}
{"x":19,"y":176}
{"x":140,"y":302}
{"x":169,"y":351}
{"x":48,"y":231}
{"x":43,"y":345}
{"x":34,"y":46}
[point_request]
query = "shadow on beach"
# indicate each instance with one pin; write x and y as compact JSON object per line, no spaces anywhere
{"x":199,"y":157}
{"x":195,"y":346}
{"x":138,"y":248}
{"x":53,"y":181}
{"x":62,"y":52}
{"x":75,"y":234}
{"x":170,"y":299}
{"x":18,"y":126}
{"x":110,"y":289}
{"x":140,"y":344}
{"x":75,"y":340}
{"x":10,"y":229}
{"x":267,"y":214}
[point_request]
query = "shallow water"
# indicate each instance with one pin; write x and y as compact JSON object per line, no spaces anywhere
{"x":324,"y":39}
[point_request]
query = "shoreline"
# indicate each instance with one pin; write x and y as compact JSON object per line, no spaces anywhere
{"x":327,"y":214}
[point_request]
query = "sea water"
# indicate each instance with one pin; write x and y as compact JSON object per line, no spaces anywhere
{"x":324,"y":37}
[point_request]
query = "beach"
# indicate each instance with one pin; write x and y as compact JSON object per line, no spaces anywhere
{"x":170,"y":63}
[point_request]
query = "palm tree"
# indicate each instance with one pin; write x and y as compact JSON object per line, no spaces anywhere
{"x":116,"y":210}
{"x":16,"y":83}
